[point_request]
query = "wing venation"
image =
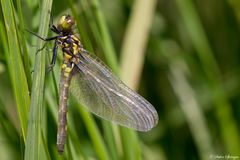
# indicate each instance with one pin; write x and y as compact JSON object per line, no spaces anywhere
{"x":104,"y":94}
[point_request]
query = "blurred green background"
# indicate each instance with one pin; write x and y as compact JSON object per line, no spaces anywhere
{"x":181,"y":55}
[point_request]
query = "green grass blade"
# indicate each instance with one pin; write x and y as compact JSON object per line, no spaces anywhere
{"x":97,"y":24}
{"x":8,"y":133}
{"x":93,"y":131}
{"x":188,"y":100}
{"x":108,"y":48}
{"x":72,"y":144}
{"x":15,"y":65}
{"x":223,"y":112}
{"x":34,"y":146}
{"x":132,"y":59}
{"x":23,"y":45}
{"x":83,"y":34}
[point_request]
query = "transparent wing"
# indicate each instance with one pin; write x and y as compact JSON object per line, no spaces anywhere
{"x":104,"y":94}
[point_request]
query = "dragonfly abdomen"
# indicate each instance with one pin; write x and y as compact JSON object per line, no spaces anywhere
{"x":70,"y":45}
{"x":66,"y":76}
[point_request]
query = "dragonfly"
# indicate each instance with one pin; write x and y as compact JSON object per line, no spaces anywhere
{"x":94,"y":85}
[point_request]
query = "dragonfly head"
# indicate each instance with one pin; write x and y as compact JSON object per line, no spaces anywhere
{"x":66,"y":23}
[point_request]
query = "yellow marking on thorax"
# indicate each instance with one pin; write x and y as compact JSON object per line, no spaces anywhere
{"x":67,"y":56}
{"x":75,"y":38}
{"x":75,"y":48}
{"x":65,"y":37}
{"x":65,"y":44}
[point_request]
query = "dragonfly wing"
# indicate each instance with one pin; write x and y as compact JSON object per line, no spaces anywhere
{"x":104,"y":94}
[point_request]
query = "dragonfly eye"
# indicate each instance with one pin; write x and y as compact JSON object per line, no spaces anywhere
{"x":65,"y":23}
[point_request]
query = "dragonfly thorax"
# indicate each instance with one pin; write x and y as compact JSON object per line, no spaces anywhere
{"x":70,"y":45}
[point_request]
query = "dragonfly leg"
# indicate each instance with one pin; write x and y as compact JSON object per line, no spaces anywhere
{"x":50,"y":67}
{"x":44,"y":39}
{"x":40,"y":49}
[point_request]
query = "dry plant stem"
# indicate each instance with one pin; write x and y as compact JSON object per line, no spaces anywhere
{"x":135,"y":40}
